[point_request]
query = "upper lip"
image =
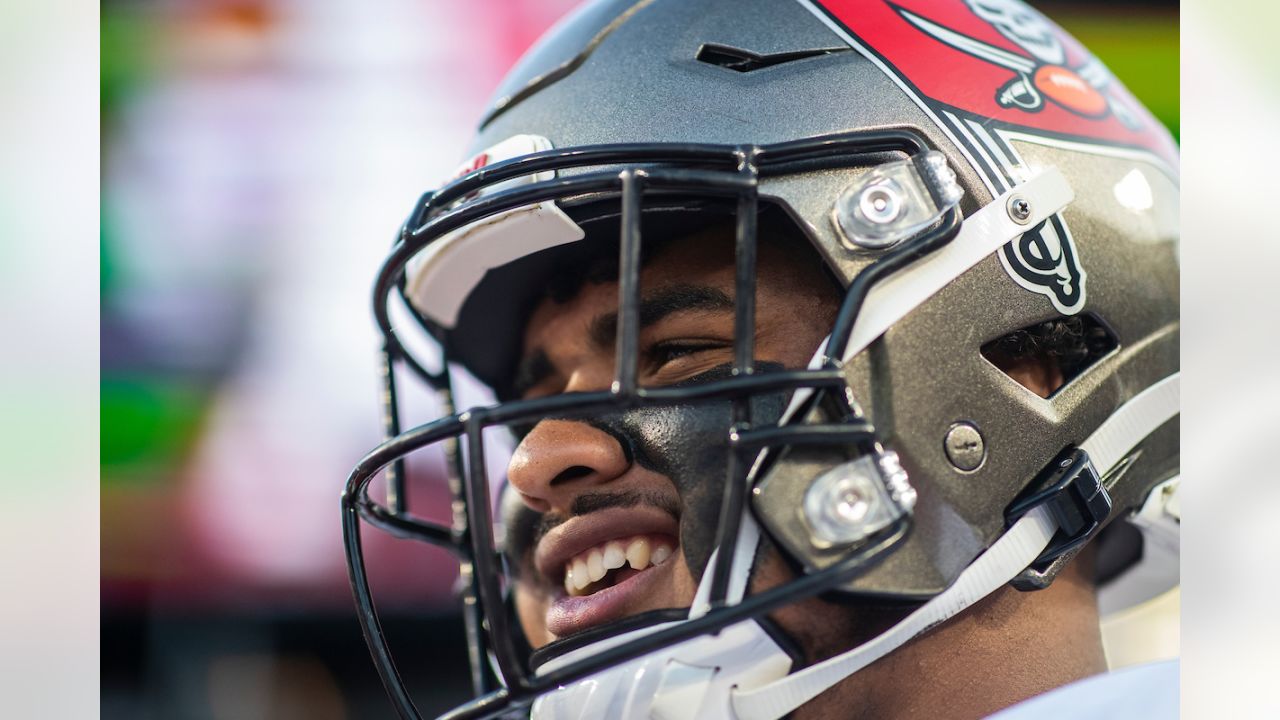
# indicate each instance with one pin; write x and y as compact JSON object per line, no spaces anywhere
{"x":583,"y":532}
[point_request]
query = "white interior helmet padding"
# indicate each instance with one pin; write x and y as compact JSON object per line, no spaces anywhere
{"x":442,"y":276}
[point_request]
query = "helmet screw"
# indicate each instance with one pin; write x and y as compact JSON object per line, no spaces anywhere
{"x":881,"y":203}
{"x":1019,"y":209}
{"x":964,"y":446}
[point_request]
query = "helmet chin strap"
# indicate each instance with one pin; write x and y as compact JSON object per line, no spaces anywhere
{"x":1008,"y":556}
{"x":982,"y":234}
{"x":1013,"y":552}
{"x":748,"y":541}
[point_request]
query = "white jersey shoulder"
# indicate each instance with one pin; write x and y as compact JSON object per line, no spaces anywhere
{"x":1139,"y":692}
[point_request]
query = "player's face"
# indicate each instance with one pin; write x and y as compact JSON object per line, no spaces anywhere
{"x":618,"y":512}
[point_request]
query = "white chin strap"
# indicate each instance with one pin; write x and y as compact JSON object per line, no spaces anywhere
{"x":744,"y":555}
{"x":1007,"y":557}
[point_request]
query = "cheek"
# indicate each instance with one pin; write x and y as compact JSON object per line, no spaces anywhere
{"x":689,"y":445}
{"x":531,"y":608}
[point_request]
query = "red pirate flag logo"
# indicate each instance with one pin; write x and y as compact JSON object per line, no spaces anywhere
{"x":1044,"y":74}
{"x":1002,"y":62}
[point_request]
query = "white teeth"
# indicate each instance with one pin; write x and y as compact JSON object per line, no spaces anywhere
{"x":595,"y":565}
{"x":660,"y":554}
{"x":638,"y":553}
{"x":591,"y":566}
{"x":614,"y":556}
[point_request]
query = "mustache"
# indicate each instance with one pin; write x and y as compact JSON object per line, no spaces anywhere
{"x":529,"y":527}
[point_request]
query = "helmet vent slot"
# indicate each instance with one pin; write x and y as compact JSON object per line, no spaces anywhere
{"x":1046,"y":356}
{"x":743,"y":61}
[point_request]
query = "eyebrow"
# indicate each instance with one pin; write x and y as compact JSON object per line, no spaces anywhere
{"x":604,"y":328}
{"x":677,"y":298}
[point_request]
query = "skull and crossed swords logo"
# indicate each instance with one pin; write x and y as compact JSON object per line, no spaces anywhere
{"x":1082,"y":90}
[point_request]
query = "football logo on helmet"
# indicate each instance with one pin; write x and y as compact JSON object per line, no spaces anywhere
{"x":1043,"y":260}
{"x":1045,"y":74}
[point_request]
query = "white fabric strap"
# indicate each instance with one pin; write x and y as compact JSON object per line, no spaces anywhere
{"x":1007,"y":557}
{"x":1135,"y":420}
{"x":1017,"y":548}
{"x":743,"y":557}
{"x":982,"y":233}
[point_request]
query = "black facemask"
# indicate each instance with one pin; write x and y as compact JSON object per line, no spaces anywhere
{"x":687,"y":443}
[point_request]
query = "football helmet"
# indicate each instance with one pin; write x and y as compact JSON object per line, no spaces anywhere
{"x":976,"y":182}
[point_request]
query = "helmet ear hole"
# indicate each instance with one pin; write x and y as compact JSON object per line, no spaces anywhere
{"x":1044,"y":357}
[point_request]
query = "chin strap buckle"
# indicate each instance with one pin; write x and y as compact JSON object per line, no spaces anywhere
{"x":1071,"y":489}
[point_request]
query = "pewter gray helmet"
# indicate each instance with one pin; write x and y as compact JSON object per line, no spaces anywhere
{"x":871,"y":129}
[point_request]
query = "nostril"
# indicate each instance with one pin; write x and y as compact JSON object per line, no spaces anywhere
{"x":572,"y":473}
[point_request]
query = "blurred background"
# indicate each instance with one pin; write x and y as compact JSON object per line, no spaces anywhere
{"x":256,"y":159}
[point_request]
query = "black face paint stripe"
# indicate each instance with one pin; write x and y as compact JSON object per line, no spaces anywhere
{"x":625,"y":442}
{"x":687,"y":444}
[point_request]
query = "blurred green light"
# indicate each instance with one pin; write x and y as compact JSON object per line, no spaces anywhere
{"x":1141,"y":49}
{"x":149,"y":427}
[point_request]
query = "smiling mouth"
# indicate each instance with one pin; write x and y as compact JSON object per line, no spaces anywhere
{"x":614,"y":562}
{"x":611,"y":581}
{"x":608,"y":564}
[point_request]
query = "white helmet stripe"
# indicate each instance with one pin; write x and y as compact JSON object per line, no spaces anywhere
{"x":983,"y":233}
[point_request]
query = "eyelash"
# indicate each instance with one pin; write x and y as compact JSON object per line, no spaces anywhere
{"x":664,"y":352}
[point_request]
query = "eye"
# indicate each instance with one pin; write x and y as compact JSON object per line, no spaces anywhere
{"x":663,"y":353}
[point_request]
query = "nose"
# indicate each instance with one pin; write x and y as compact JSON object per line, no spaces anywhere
{"x":559,"y":459}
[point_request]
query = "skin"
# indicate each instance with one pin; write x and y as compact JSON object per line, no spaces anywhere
{"x":992,"y":655}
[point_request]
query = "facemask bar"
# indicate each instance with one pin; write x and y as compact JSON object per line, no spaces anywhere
{"x":479,"y":559}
